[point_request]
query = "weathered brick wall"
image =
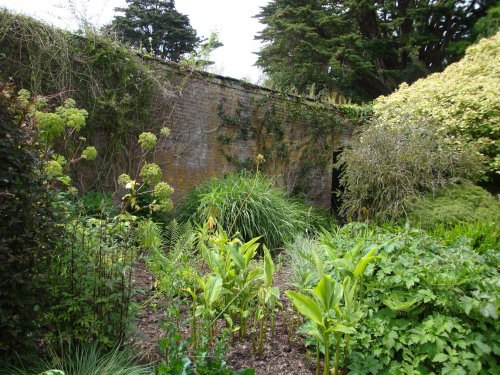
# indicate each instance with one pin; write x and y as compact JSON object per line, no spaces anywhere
{"x":195,"y":152}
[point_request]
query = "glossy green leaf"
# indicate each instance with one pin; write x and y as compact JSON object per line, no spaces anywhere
{"x":306,"y":306}
{"x":213,"y":289}
{"x":361,"y":266}
{"x":343,"y":329}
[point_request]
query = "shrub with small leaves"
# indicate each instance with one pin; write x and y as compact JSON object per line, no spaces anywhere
{"x":147,"y":141}
{"x":463,"y":100}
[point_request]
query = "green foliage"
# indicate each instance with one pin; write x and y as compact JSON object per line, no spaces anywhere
{"x":462,"y":203}
{"x":386,"y":167}
{"x":204,"y":361}
{"x":87,"y":359}
{"x":172,"y":258}
{"x":238,"y":289}
{"x":199,"y":59}
{"x":462,"y":100}
{"x":107,"y":78}
{"x":91,"y":281}
{"x":28,"y":228}
{"x":481,"y":236}
{"x":298,"y":256}
{"x":335,"y":308}
{"x":488,"y":25}
{"x":86,"y":279}
{"x":431,"y":307}
{"x":250,"y":205}
{"x":157,"y":26}
{"x":362,"y":49}
{"x":96,"y":204}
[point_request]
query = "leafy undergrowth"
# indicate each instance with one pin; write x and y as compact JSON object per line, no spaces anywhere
{"x":406,"y":302}
{"x":431,"y":305}
{"x":402,"y":302}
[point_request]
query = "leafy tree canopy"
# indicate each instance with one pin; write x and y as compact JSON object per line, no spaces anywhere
{"x":360,"y":48}
{"x":156,"y":25}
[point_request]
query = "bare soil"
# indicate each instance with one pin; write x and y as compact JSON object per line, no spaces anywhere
{"x":283,"y":353}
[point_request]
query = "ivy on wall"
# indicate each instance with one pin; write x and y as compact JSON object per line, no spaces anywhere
{"x":267,"y":121}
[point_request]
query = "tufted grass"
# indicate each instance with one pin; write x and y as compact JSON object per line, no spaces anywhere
{"x":253,"y":206}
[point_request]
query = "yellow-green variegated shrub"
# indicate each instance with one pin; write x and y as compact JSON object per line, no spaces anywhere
{"x":463,"y":100}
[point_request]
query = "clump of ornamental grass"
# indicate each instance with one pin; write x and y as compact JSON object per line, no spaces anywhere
{"x":87,"y":359}
{"x":252,"y":205}
{"x":386,"y":167}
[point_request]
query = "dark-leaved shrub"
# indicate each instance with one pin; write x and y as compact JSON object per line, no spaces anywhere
{"x":27,"y":227}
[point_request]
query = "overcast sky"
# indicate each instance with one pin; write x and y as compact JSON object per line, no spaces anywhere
{"x":231,"y":18}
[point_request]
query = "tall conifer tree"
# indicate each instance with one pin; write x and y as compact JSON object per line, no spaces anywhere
{"x":158,"y":25}
{"x":362,"y":48}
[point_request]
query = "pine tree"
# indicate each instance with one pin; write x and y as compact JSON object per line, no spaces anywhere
{"x":156,"y":25}
{"x":362,"y":48}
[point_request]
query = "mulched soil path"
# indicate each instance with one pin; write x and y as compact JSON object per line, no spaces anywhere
{"x":281,"y":354}
{"x":151,"y":313}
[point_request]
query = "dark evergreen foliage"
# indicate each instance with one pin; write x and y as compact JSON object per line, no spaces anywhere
{"x":156,"y":25}
{"x":360,"y":48}
{"x":27,"y":229}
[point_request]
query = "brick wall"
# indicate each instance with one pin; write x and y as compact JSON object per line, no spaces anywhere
{"x":195,"y":153}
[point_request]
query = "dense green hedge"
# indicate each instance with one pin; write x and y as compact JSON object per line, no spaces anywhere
{"x":463,"y":203}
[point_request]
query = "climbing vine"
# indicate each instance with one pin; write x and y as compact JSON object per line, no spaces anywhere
{"x":285,"y":127}
{"x":123,"y":93}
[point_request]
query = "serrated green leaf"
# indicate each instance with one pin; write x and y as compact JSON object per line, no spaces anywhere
{"x":441,"y":357}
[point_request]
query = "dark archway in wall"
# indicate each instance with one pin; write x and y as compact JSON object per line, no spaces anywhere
{"x":336,"y":187}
